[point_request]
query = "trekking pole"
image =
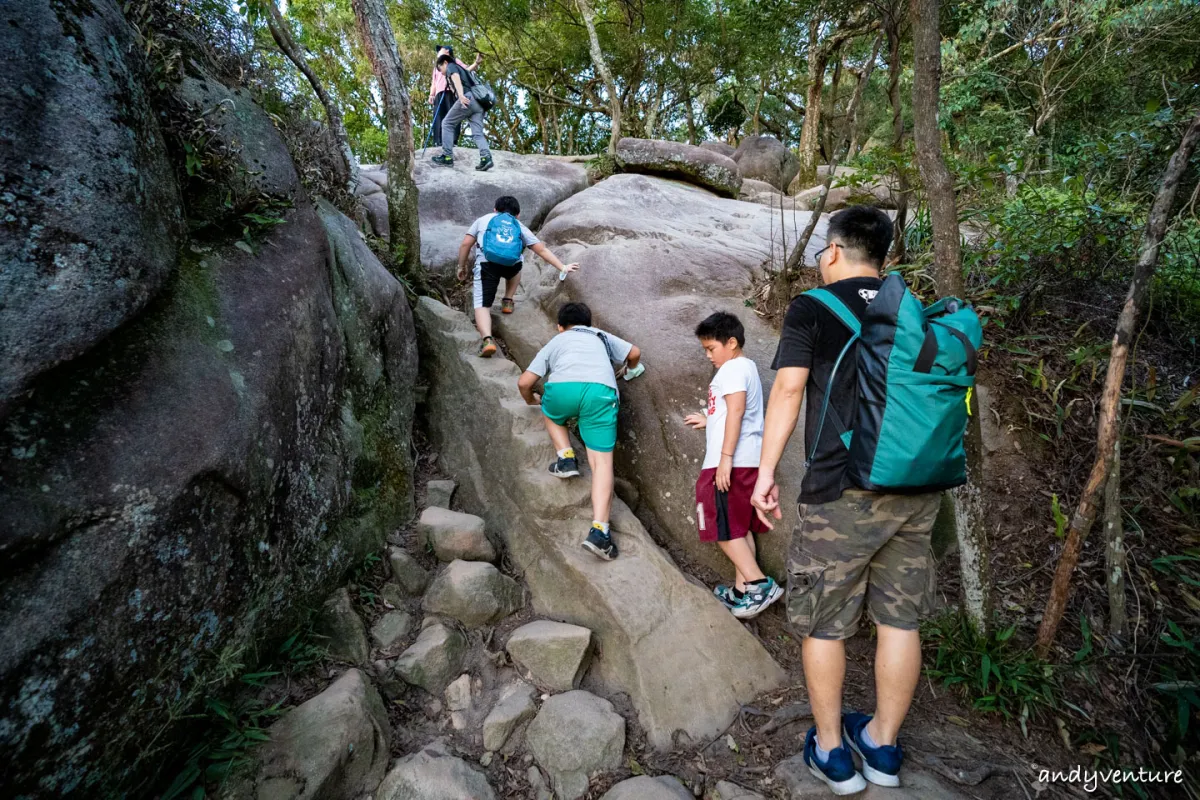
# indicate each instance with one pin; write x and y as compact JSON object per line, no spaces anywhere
{"x":429,"y":138}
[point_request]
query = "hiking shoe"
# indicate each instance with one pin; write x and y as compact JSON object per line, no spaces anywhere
{"x":838,"y":772}
{"x":443,"y":160}
{"x":485,"y":164}
{"x":600,"y":544}
{"x":507,"y":305}
{"x":757,"y":598}
{"x":880,"y":765}
{"x":565,"y":468}
{"x":725,"y":595}
{"x":488,"y":348}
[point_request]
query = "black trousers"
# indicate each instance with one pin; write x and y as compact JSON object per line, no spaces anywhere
{"x":444,"y":102}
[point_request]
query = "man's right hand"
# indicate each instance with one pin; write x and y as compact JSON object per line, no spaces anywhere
{"x":765,"y":499}
{"x":466,"y":101}
{"x":461,"y":274}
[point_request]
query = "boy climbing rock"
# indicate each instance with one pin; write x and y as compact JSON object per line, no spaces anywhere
{"x":502,"y":238}
{"x":581,"y":385}
{"x":733,"y":424}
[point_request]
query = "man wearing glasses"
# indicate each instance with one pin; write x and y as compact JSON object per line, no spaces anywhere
{"x":854,"y":549}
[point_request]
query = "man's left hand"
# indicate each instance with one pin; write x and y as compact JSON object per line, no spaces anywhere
{"x":461,"y":274}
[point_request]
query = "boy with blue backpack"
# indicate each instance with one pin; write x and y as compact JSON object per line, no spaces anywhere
{"x":888,"y":385}
{"x":501,"y":240}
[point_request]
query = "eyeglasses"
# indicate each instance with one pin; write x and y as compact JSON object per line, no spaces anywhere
{"x":817,"y":257}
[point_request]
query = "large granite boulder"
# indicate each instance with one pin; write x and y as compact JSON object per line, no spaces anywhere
{"x":849,"y":187}
{"x":724,"y":148}
{"x":452,"y":198}
{"x":453,"y":535}
{"x":763,"y":193}
{"x":643,"y":787}
{"x":702,"y":167}
{"x":89,"y":203}
{"x":644,"y":613}
{"x":434,"y":659}
{"x":197,"y":469}
{"x":554,"y":654}
{"x":656,"y":258}
{"x":764,"y":158}
{"x":333,"y":745}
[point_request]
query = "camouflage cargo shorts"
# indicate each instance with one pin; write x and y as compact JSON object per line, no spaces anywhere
{"x":862,"y":547}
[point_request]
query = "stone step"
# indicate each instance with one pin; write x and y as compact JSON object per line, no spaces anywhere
{"x":647,"y":617}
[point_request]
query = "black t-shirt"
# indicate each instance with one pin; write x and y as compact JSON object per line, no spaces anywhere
{"x":813,"y":337}
{"x":464,"y":76}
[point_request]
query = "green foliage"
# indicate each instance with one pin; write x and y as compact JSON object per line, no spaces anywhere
{"x":725,"y":112}
{"x":992,"y":672}
{"x":234,"y":731}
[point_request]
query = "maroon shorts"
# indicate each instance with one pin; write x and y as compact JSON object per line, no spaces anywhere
{"x":724,"y":516}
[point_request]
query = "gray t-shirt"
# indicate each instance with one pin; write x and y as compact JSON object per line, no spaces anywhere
{"x":480,"y":225}
{"x":579,"y":355}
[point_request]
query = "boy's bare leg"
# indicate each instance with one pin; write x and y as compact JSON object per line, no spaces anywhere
{"x":602,"y":484}
{"x":897,"y":671}
{"x":558,"y":434}
{"x":741,"y":554}
{"x":510,"y":286}
{"x":824,"y":672}
{"x":483,"y":321}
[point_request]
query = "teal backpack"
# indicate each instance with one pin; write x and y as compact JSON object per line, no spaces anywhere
{"x":916,"y":372}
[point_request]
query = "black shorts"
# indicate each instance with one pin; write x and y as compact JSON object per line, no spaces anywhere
{"x":489,"y":281}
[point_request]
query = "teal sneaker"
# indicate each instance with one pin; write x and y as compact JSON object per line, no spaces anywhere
{"x":757,"y":598}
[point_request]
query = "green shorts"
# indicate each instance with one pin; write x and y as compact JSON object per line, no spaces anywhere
{"x":593,"y":404}
{"x":861,"y":549}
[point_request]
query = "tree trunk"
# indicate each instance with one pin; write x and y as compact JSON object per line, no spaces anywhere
{"x":851,"y":139}
{"x":796,"y":259}
{"x":892,"y":29}
{"x":1143,"y":272}
{"x":817,"y":58}
{"x":1114,"y":552}
{"x":947,"y":256}
{"x":831,"y":138}
{"x":282,"y":35}
{"x":614,"y":101}
{"x":691,"y":118}
{"x":403,"y":222}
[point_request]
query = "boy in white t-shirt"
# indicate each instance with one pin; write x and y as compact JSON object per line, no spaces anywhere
{"x":734,"y":431}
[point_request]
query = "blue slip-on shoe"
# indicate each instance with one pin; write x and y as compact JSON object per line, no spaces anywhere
{"x":838,"y":772}
{"x":880,"y":765}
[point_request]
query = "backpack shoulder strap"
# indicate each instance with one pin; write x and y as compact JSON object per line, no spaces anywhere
{"x":600,"y":336}
{"x":836,"y":307}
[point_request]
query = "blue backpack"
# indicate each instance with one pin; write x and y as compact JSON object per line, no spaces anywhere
{"x":915,"y":374}
{"x":502,"y":243}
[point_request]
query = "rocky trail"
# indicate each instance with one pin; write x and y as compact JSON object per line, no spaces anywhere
{"x":503,"y":660}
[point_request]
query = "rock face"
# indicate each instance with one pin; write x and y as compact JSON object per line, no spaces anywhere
{"x":429,"y":775}
{"x":705,"y":168}
{"x":515,"y":705}
{"x":342,"y":628}
{"x":847,"y":190}
{"x":334,"y":745}
{"x":719,"y":147}
{"x":764,"y":158}
{"x":434,"y":660}
{"x":474,"y":593}
{"x":84,"y":247}
{"x":455,"y":536}
{"x":656,"y":258}
{"x":410,"y":576}
{"x":646,"y":616}
{"x":554,"y":653}
{"x":644,"y":787}
{"x":574,"y":736}
{"x":223,"y":432}
{"x":452,"y":198}
{"x":755,"y":191}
